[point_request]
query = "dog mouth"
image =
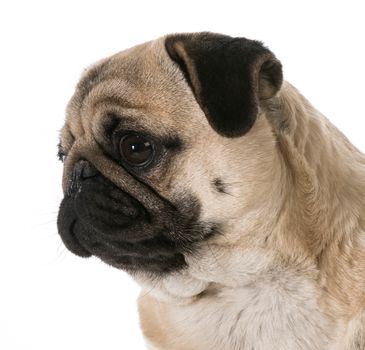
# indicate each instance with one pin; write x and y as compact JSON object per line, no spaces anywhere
{"x":102,"y":220}
{"x":156,"y":255}
{"x":71,"y":241}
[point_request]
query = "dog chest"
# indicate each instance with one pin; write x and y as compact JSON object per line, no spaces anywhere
{"x":273,"y":313}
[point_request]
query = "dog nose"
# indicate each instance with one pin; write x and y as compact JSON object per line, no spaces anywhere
{"x":82,"y":170}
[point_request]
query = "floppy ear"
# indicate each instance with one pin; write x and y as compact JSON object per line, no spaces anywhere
{"x":228,"y":76}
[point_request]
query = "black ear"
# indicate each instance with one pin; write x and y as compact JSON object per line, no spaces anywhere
{"x":228,"y":77}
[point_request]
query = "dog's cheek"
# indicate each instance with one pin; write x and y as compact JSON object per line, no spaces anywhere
{"x":201,"y":179}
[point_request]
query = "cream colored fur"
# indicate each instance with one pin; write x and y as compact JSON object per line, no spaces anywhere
{"x":288,"y":271}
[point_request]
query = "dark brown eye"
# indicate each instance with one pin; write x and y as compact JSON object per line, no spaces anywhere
{"x":136,"y":150}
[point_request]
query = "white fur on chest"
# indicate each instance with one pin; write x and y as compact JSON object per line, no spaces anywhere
{"x":246,"y":300}
{"x":277,"y":312}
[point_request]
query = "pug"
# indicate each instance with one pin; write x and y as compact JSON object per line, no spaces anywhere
{"x":190,"y":164}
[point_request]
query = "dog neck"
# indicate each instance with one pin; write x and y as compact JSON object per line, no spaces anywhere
{"x":325,"y":205}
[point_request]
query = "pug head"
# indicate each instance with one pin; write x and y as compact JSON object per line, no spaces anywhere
{"x":164,"y":149}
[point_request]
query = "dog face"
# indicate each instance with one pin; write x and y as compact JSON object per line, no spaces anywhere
{"x":164,"y":147}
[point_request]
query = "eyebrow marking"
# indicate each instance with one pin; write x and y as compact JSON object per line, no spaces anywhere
{"x":111,"y":124}
{"x":114,"y":124}
{"x":172,"y":142}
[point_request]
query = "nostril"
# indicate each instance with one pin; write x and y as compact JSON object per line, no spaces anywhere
{"x":82,"y":170}
{"x":88,"y":170}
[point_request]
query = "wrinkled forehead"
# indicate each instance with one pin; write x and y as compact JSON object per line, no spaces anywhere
{"x":141,"y":85}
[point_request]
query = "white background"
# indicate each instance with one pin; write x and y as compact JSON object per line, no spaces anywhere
{"x":50,"y":299}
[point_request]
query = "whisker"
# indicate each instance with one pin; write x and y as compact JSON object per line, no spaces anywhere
{"x":60,"y":254}
{"x":43,"y":224}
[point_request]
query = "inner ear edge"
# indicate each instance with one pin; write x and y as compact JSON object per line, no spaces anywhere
{"x":270,"y":77}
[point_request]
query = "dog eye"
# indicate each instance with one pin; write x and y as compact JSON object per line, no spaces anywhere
{"x":136,"y":150}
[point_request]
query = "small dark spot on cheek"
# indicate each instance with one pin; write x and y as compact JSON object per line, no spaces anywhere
{"x":219,"y":185}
